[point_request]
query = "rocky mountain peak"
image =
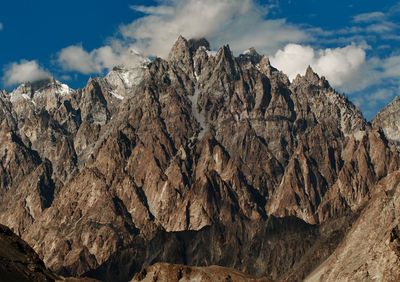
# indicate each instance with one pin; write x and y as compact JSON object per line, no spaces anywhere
{"x":181,"y":55}
{"x":311,"y":75}
{"x":180,"y":49}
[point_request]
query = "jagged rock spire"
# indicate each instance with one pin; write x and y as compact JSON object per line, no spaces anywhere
{"x":310,"y":74}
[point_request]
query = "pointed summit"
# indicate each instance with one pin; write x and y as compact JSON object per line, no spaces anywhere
{"x":181,"y":56}
{"x":310,"y":74}
{"x":180,"y":47}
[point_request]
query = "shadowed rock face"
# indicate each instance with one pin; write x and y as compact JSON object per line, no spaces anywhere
{"x":199,"y":157}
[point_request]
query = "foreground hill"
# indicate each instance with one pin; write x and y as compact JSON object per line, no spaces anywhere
{"x":202,"y":159}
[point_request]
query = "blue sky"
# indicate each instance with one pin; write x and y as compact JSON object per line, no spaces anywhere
{"x":355,"y":44}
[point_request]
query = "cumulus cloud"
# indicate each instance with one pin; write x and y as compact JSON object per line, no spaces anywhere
{"x":75,"y":58}
{"x":345,"y":67}
{"x":23,"y":71}
{"x":237,"y":22}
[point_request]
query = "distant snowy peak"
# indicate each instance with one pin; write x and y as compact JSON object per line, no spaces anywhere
{"x":44,"y":93}
{"x":32,"y":89}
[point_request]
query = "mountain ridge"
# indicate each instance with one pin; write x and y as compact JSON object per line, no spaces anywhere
{"x":114,"y":176}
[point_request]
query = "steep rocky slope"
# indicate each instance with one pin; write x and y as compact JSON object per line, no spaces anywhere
{"x":371,"y":249}
{"x":187,"y":160}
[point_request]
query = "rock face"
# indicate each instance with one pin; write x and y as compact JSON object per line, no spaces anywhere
{"x":158,"y":159}
{"x":389,"y":120}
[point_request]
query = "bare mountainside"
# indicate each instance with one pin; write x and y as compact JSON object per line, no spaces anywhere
{"x":201,"y":159}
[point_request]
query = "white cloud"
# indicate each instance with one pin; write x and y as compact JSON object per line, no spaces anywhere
{"x":1,"y":26}
{"x":391,"y":68}
{"x":369,"y":17}
{"x":382,"y":27}
{"x":23,"y":71}
{"x":75,"y":58}
{"x":239,"y":23}
{"x":345,"y":68}
{"x":293,"y":59}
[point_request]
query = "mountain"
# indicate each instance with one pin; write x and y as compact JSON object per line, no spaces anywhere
{"x":201,"y":159}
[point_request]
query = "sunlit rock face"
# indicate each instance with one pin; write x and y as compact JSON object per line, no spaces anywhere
{"x":201,"y":159}
{"x":389,"y":120}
